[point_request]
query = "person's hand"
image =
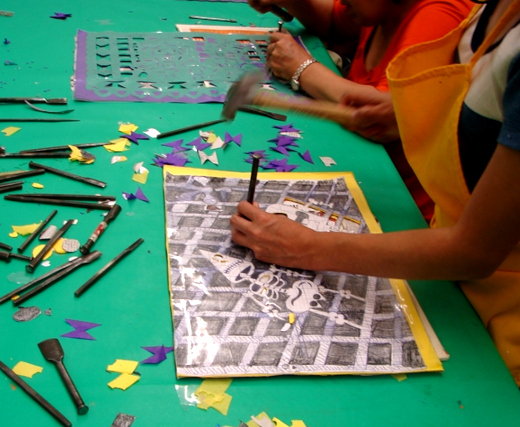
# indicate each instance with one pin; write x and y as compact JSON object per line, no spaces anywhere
{"x":284,"y":55}
{"x":273,"y":238}
{"x":373,"y":116}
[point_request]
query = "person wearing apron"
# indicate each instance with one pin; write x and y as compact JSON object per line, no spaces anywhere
{"x":475,"y":231}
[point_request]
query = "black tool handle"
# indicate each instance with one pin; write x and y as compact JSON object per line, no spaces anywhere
{"x":71,"y":388}
{"x":107,"y":268}
{"x":252,"y":181}
{"x":36,"y":260}
{"x":5,"y":246}
{"x":35,"y":233}
{"x":110,"y":216}
{"x":281,"y":13}
{"x":188,"y":128}
{"x":72,"y":176}
{"x":34,"y":395}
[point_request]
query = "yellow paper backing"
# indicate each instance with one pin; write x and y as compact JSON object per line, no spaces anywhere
{"x":424,"y":344}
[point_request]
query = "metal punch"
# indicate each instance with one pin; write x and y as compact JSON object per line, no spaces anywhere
{"x":72,"y":200}
{"x":41,"y":283}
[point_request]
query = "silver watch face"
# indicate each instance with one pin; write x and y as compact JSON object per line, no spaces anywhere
{"x":295,"y":85}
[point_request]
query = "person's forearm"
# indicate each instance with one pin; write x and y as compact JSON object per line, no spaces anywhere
{"x":431,"y":254}
{"x":322,"y":83}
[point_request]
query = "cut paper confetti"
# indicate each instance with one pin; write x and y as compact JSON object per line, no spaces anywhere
{"x":123,"y":366}
{"x":141,"y":173}
{"x":138,"y":195}
{"x":127,"y":128}
{"x":37,"y":185}
{"x":117,"y":145}
{"x":24,"y":230}
{"x":123,"y":420}
{"x":212,"y":394}
{"x":118,"y":159}
{"x":286,"y":128}
{"x":124,"y":381}
{"x":82,"y":156}
{"x":8,"y":131}
{"x":25,"y":314}
{"x":170,"y":159}
{"x":198,"y":144}
{"x":236,"y":139}
{"x":176,"y":146}
{"x":159,"y":354}
{"x":307,"y":157}
{"x":328,"y":161}
{"x":36,"y":250}
{"x":204,"y":157}
{"x":152,"y":133}
{"x":25,"y":369}
{"x":62,"y":16}
{"x":135,"y":137}
{"x":80,"y":328}
{"x":217,"y":143}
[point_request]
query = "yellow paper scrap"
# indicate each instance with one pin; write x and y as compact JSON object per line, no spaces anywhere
{"x":279,"y":423}
{"x":292,"y":318}
{"x":140,"y":177}
{"x":117,"y":145}
{"x":297,"y":423}
{"x":58,"y":246}
{"x":24,"y":230}
{"x":123,"y":366}
{"x":124,"y":381}
{"x":211,"y":137}
{"x":25,"y":369}
{"x":215,"y":386}
{"x":261,"y":416}
{"x":37,"y":185}
{"x":13,"y":234}
{"x":116,"y":159}
{"x":400,"y":377}
{"x":8,"y":131}
{"x":127,"y":128}
{"x":76,"y":155}
{"x":38,"y":249}
{"x":223,"y":405}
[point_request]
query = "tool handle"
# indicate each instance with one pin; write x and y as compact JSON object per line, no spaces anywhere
{"x":71,"y":388}
{"x":188,"y":128}
{"x":83,"y":179}
{"x":110,"y":216}
{"x":36,"y":232}
{"x":83,"y":288}
{"x":337,"y":113}
{"x":281,"y":13}
{"x":34,"y":395}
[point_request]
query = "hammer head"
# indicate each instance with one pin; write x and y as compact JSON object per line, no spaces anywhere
{"x":241,"y":93}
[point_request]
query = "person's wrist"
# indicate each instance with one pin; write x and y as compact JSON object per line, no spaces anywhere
{"x":295,"y":79}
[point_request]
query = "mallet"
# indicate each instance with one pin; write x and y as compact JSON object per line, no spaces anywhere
{"x":246,"y":92}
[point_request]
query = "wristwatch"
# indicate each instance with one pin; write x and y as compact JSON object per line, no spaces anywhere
{"x":295,"y":80}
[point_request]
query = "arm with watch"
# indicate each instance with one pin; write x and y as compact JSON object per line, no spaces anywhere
{"x":289,"y":61}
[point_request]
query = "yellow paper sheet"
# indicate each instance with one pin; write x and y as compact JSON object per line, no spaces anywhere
{"x":123,"y":366}
{"x":428,"y":353}
{"x":38,"y":249}
{"x":124,"y":381}
{"x":25,"y":369}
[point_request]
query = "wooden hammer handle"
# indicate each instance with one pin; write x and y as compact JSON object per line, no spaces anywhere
{"x":337,"y":113}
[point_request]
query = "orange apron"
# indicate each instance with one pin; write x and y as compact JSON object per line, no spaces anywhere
{"x":428,"y":91}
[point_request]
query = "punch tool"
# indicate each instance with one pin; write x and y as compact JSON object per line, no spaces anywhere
{"x":41,"y":283}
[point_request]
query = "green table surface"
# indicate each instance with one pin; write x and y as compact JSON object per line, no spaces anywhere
{"x":132,"y":301}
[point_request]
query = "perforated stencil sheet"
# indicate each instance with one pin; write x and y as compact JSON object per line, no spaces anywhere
{"x":231,"y":311}
{"x":165,"y":67}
